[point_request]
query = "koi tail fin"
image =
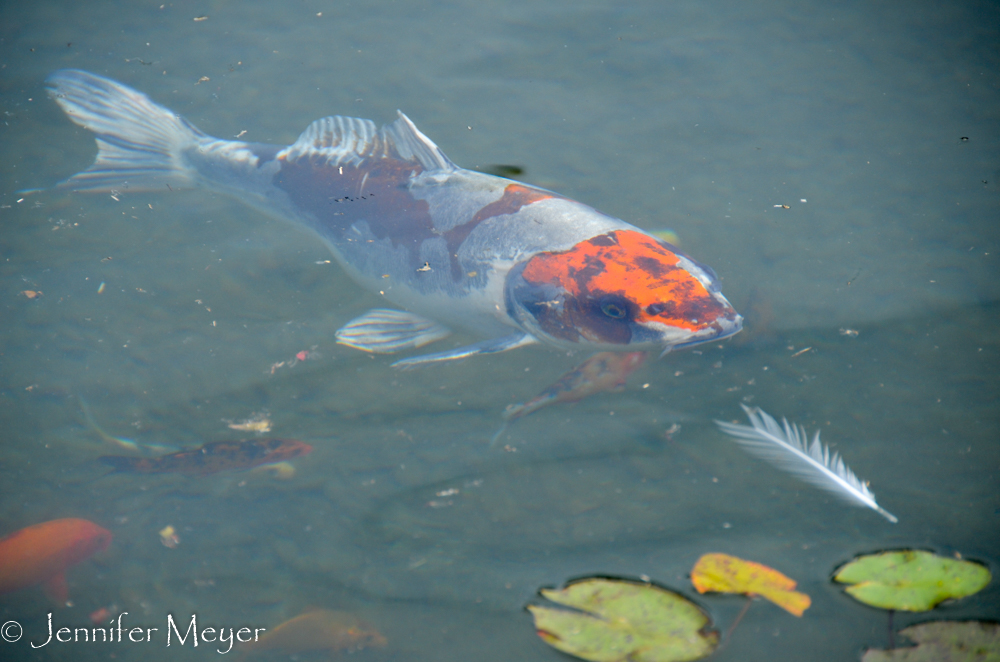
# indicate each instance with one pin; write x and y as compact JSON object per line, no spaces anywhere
{"x":140,"y":145}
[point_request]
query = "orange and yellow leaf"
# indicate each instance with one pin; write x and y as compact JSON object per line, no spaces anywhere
{"x":723,"y":573}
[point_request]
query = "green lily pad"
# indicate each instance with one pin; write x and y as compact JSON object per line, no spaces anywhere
{"x":911,"y":580}
{"x":945,"y":641}
{"x":624,"y":620}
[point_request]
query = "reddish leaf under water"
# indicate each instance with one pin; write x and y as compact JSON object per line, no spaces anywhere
{"x":317,"y":630}
{"x":605,"y":371}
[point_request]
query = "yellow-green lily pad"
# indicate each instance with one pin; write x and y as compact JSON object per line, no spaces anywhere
{"x":944,"y":641}
{"x":911,"y":580}
{"x":624,"y":620}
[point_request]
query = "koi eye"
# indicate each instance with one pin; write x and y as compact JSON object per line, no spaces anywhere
{"x":613,"y":310}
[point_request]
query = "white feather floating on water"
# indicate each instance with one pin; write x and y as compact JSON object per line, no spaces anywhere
{"x":786,"y":447}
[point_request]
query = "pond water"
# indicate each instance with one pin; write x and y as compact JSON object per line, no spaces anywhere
{"x":837,"y":165}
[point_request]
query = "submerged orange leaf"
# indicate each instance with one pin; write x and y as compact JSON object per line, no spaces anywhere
{"x":723,"y":573}
{"x":319,"y":630}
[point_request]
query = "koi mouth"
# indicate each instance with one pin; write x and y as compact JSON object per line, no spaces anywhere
{"x":726,"y":329}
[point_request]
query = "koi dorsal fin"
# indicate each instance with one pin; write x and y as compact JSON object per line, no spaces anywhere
{"x":348,"y":140}
{"x":412,"y":145}
{"x":338,"y":140}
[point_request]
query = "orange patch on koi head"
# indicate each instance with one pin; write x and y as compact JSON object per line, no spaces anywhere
{"x":619,"y":289}
{"x":646,"y":275}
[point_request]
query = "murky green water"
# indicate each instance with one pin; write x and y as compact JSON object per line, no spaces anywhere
{"x":704,"y":118}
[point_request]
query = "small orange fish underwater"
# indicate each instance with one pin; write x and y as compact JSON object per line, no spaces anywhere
{"x":213,"y":457}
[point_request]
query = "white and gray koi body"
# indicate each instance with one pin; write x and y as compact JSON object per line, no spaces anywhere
{"x":511,"y":262}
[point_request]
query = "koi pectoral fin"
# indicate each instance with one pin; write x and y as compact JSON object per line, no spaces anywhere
{"x":384,"y":331}
{"x":492,"y":346}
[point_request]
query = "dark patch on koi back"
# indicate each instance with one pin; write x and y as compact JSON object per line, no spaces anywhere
{"x":375,"y":192}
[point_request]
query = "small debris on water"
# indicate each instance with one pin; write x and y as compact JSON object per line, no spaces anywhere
{"x":257,"y":422}
{"x":169,"y":537}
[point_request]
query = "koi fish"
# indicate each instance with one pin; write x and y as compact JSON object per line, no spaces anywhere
{"x":213,"y":457}
{"x":40,"y":554}
{"x":513,"y":263}
{"x":605,"y":371}
{"x":319,"y":630}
